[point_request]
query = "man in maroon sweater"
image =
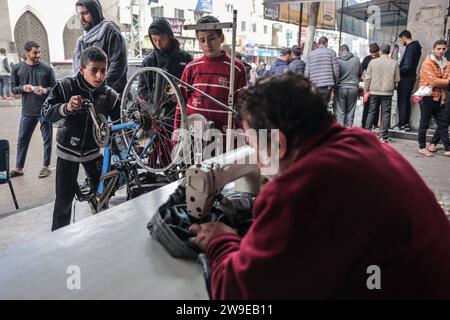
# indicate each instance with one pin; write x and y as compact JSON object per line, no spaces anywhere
{"x":210,"y":74}
{"x":322,"y":237}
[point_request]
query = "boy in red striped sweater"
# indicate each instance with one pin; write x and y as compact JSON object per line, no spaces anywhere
{"x":210,"y":74}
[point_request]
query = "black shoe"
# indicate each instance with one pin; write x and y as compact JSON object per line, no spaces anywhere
{"x":406,"y":128}
{"x":385,"y":140}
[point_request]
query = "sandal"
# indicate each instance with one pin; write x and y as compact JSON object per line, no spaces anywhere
{"x":432,"y":147}
{"x":425,"y":152}
{"x":44,"y":173}
{"x":15,"y":173}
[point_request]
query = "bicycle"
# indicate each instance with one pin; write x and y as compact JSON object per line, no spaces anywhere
{"x":119,"y":167}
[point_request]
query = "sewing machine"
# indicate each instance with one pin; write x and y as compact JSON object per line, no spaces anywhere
{"x":205,"y":181}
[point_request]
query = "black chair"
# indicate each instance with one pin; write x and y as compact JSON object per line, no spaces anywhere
{"x":4,"y":168}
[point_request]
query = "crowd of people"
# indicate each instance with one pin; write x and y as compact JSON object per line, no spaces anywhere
{"x":345,"y":78}
{"x":298,"y":246}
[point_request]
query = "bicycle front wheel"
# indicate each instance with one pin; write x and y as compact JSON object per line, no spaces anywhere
{"x":150,"y":99}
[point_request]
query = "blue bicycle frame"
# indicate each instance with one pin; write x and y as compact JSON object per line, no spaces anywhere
{"x":107,"y":151}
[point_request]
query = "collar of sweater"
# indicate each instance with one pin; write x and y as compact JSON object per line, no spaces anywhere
{"x":222,"y":57}
{"x":442,"y":63}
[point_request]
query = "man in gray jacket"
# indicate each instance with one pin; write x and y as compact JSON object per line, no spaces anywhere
{"x":347,"y":87}
{"x":382,"y":77}
{"x":323,"y":69}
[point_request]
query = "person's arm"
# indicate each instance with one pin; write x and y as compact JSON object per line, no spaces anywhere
{"x":397,"y":75}
{"x":288,"y":251}
{"x":307,"y":70}
{"x":16,"y":87}
{"x":301,"y":69}
{"x":51,"y":81}
{"x":117,"y":55}
{"x":368,"y":77}
{"x":55,"y":107}
{"x":335,"y":65}
{"x":406,"y":63}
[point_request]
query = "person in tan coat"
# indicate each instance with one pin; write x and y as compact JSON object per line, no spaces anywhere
{"x":434,"y":73}
{"x":382,"y":77}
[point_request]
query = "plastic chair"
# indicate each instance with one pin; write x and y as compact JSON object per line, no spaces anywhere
{"x":4,"y":168}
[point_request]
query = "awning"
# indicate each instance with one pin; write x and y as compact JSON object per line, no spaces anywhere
{"x":392,"y":12}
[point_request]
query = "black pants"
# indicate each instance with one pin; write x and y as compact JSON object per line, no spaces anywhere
{"x":436,"y":136}
{"x":404,"y":90}
{"x":385,"y":102}
{"x":325,"y":92}
{"x":429,"y":108}
{"x":366,"y":113}
{"x":67,"y":186}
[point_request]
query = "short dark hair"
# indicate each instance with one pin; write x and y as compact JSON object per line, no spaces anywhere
{"x":93,"y":54}
{"x":323,"y":40}
{"x":286,"y":51}
{"x":406,"y":34}
{"x":29,"y":45}
{"x":2,"y":50}
{"x":373,"y":47}
{"x":440,"y":43}
{"x":385,"y":49}
{"x":288,"y":102}
{"x":297,"y":50}
{"x":209,"y":19}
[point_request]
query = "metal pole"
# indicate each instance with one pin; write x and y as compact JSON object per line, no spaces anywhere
{"x":232,"y":76}
{"x":300,"y":26}
{"x":340,"y":27}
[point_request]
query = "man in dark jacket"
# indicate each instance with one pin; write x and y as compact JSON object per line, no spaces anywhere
{"x":75,"y":138}
{"x":33,"y":80}
{"x":347,"y":86}
{"x":374,"y":51}
{"x":166,"y":55}
{"x":297,"y":65}
{"x":104,"y":34}
{"x":281,"y":64}
{"x":408,"y":68}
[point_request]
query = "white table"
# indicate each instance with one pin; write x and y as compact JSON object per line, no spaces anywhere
{"x":115,"y":254}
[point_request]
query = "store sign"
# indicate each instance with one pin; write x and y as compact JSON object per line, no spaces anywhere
{"x":176,"y":25}
{"x":204,"y":6}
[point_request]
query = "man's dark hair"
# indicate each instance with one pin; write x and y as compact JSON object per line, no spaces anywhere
{"x":209,"y":19}
{"x":93,"y":54}
{"x":286,"y":51}
{"x":30,"y":45}
{"x":385,"y":49}
{"x":296,"y":50}
{"x":406,"y":34}
{"x":373,"y":47}
{"x":288,"y":102}
{"x":344,"y":47}
{"x":2,"y":51}
{"x":323,"y":40}
{"x":440,"y":43}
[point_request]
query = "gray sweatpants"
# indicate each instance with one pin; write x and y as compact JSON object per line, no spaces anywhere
{"x":346,"y":105}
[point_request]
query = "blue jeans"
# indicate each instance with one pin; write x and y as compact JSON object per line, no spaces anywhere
{"x":5,"y":86}
{"x":26,"y":129}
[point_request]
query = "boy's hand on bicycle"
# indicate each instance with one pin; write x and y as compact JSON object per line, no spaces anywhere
{"x":74,"y":104}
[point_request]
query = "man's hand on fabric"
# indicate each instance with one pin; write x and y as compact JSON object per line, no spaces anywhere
{"x":203,"y":233}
